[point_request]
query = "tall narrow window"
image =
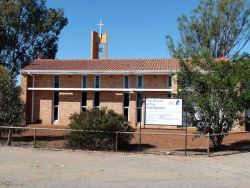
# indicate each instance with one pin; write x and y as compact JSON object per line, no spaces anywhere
{"x":56,"y":82}
{"x":97,"y":82}
{"x":126,"y":105}
{"x":169,"y":82}
{"x":55,"y":105}
{"x":97,"y":99}
{"x":97,"y":93}
{"x":126,"y":82}
{"x":139,"y":99}
{"x":84,"y":101}
{"x":126,"y":98}
{"x":84,"y":82}
{"x":139,"y":107}
{"x":84,"y":94}
{"x":139,"y":82}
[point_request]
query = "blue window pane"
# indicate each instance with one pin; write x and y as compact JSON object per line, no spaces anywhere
{"x":139,"y":82}
{"x":97,"y":82}
{"x":84,"y":82}
{"x":126,"y":80}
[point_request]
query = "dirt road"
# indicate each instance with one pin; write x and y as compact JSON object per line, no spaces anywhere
{"x":20,"y":167}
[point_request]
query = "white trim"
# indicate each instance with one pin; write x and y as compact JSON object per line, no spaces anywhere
{"x":91,"y":72}
{"x":95,"y":89}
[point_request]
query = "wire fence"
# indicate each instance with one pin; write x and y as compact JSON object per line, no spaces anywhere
{"x":160,"y":142}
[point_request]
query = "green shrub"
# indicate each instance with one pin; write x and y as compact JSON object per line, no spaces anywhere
{"x":94,"y":120}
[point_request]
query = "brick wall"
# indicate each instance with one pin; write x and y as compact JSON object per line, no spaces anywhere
{"x":112,"y":100}
{"x":156,"y":81}
{"x":43,"y":107}
{"x":69,"y":102}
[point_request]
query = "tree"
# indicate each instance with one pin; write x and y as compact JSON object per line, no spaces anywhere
{"x":100,"y":126}
{"x":214,"y":99}
{"x":219,"y":27}
{"x":215,"y":90}
{"x":11,"y":106}
{"x":28,"y":29}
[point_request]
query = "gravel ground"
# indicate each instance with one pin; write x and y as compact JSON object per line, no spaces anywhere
{"x":26,"y":167}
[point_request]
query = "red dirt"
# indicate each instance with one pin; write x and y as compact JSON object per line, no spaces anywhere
{"x":151,"y":142}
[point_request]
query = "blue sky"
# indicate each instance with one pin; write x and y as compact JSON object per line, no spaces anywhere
{"x":136,"y":28}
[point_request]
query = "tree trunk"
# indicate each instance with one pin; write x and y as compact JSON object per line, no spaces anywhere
{"x":217,"y":141}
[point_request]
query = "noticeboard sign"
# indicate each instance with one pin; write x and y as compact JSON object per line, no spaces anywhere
{"x":163,"y":111}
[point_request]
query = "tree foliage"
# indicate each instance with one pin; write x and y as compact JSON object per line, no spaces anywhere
{"x":218,"y":27}
{"x":215,"y":90}
{"x":215,"y":97}
{"x":93,"y":121}
{"x":11,"y":106}
{"x":28,"y":29}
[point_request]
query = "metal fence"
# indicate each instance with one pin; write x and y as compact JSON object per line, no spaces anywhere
{"x":159,"y":142}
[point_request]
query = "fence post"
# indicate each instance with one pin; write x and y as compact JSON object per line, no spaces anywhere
{"x":186,"y":144}
{"x":34,"y":141}
{"x":116,"y":141}
{"x":208,"y":144}
{"x":9,"y":137}
{"x":140,"y":138}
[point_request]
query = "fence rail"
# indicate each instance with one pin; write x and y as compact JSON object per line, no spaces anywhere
{"x":146,"y":142}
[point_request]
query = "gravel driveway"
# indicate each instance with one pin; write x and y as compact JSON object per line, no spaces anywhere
{"x":21,"y":167}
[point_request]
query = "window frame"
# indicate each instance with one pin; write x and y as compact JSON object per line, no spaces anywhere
{"x":99,"y":82}
{"x":94,"y":101}
{"x":137,"y":82}
{"x":124,"y":82}
{"x":55,"y":106}
{"x":126,"y":107}
{"x":170,"y":82}
{"x":139,"y":107}
{"x":85,"y":107}
{"x":84,"y":76}
{"x":54,"y":81}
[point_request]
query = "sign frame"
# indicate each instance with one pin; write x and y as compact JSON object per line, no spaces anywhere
{"x":163,"y":125}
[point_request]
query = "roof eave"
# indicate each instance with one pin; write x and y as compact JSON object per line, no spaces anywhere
{"x":86,"y":72}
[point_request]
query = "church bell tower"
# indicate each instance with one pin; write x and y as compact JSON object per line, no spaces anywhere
{"x":99,"y":44}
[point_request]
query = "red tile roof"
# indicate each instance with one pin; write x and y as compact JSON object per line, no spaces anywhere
{"x":104,"y":65}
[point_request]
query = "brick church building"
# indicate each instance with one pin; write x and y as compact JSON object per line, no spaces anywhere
{"x":54,"y":89}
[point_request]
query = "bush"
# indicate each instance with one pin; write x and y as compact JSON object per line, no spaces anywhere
{"x":94,"y":120}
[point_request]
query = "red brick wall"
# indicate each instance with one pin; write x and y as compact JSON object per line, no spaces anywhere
{"x":69,"y":102}
{"x":43,"y":106}
{"x":111,"y":81}
{"x":112,"y":100}
{"x":155,"y":81}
